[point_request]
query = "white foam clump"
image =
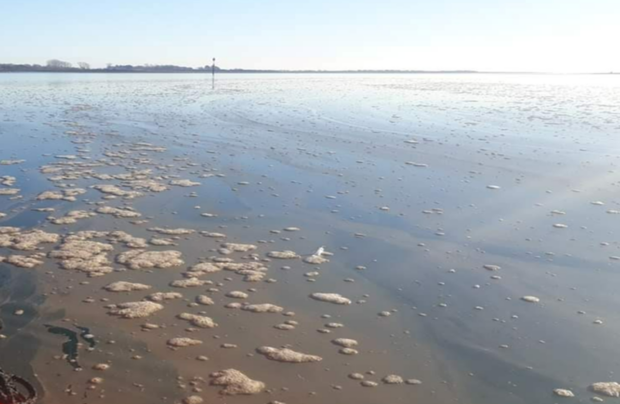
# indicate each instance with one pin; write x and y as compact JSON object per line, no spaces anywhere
{"x":182,"y":342}
{"x":345,"y":342}
{"x":172,"y":232}
{"x":197,"y":320}
{"x":118,"y":212}
{"x":610,"y":389}
{"x":122,"y":286}
{"x":237,"y":294}
{"x":24,"y":261}
{"x":11,"y":237}
{"x":283,"y":255}
{"x":287,"y":355}
{"x":236,"y":383}
{"x":163,"y":296}
{"x":237,"y":247}
{"x":530,"y":299}
{"x":184,"y":183}
{"x":203,"y":268}
{"x":84,"y":255}
{"x":334,"y":298}
{"x":71,"y":217}
{"x":9,"y":191}
{"x":68,"y":195}
{"x":135,"y":309}
{"x":187,"y":283}
{"x":141,"y":259}
{"x":262,"y":308}
{"x":393,"y":379}
{"x":204,"y":300}
{"x":116,"y":191}
{"x":315,"y":260}
{"x":563,"y":393}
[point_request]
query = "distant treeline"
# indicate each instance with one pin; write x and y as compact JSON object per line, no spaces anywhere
{"x":59,"y":66}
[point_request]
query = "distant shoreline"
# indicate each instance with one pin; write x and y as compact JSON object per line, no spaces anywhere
{"x":104,"y":71}
{"x":68,"y":68}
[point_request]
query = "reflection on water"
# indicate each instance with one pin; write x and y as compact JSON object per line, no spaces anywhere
{"x":444,"y":200}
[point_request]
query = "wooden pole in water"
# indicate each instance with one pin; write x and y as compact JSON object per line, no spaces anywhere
{"x":213,"y":75}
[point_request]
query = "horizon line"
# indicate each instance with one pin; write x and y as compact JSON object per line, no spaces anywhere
{"x":169,"y":68}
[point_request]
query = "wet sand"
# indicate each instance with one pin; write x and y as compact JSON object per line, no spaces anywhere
{"x":436,"y":198}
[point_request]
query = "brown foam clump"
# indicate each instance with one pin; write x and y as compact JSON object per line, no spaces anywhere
{"x":68,"y":195}
{"x":236,"y":383}
{"x":262,"y":308}
{"x":315,"y":260}
{"x":236,"y":294}
{"x":122,"y":286}
{"x":118,"y":212}
{"x":287,"y":355}
{"x":609,"y":389}
{"x":140,"y":259}
{"x":135,"y":309}
{"x":204,"y":300}
{"x":334,"y":298}
{"x":182,"y":342}
{"x":162,"y":296}
{"x":172,"y":232}
{"x":11,"y":237}
{"x":116,"y":191}
{"x":345,"y":342}
{"x":184,"y":183}
{"x":283,"y":255}
{"x":71,"y":217}
{"x":187,"y":283}
{"x":84,"y":255}
{"x":198,"y":321}
{"x":236,"y":247}
{"x":348,"y":351}
{"x":24,"y":261}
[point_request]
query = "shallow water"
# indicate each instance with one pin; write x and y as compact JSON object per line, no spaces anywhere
{"x":325,"y":153}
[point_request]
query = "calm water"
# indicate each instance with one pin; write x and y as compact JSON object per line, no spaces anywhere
{"x":422,"y":179}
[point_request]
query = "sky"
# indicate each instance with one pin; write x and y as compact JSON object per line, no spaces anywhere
{"x":486,"y":35}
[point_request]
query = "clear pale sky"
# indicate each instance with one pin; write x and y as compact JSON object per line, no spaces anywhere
{"x":490,"y":35}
